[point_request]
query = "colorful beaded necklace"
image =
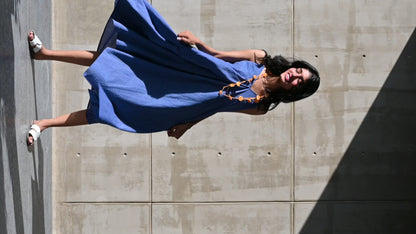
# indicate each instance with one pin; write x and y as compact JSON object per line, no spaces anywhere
{"x":226,"y":90}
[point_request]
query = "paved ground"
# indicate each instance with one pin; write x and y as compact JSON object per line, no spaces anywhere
{"x":25,"y":94}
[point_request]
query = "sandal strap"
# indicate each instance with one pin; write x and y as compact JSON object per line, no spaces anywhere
{"x":34,"y":132}
{"x":36,"y":44}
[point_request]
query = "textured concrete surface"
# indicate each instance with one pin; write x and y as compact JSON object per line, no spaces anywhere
{"x":341,"y":161}
{"x":356,"y":156}
{"x":205,"y":218}
{"x":25,"y":95}
{"x":103,"y":218}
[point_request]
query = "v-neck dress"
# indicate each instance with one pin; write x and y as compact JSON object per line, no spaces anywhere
{"x":145,"y":80}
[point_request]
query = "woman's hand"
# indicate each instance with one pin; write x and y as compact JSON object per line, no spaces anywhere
{"x":178,"y":130}
{"x":189,"y":38}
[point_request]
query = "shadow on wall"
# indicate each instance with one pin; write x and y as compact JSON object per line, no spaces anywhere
{"x":379,"y":165}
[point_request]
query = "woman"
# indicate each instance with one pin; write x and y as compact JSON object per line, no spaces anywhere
{"x":145,"y":78}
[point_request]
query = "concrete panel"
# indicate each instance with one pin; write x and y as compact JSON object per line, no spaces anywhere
{"x":25,"y":172}
{"x":358,"y":127}
{"x":101,"y":163}
{"x":267,"y":218}
{"x":103,"y":219}
{"x":355,"y":217}
{"x":198,"y":172}
{"x":229,"y":157}
{"x":76,"y":25}
{"x":120,"y":171}
{"x":231,"y":25}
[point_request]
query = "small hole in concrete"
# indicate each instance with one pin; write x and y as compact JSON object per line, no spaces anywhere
{"x":219,"y":154}
{"x":173,"y":154}
{"x":364,"y":55}
{"x":269,"y":154}
{"x":316,"y":56}
{"x":125,"y":155}
{"x":78,"y":154}
{"x":314,"y":154}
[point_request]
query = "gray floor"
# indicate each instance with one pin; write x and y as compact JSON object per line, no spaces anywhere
{"x":25,"y":95}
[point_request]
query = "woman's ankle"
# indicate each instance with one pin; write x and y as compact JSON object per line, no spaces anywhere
{"x":42,"y":124}
{"x":44,"y":54}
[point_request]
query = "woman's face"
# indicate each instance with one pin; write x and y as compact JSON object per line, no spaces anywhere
{"x":291,"y":78}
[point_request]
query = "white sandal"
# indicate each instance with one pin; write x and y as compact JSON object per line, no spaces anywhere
{"x":35,"y":44}
{"x":34,"y":132}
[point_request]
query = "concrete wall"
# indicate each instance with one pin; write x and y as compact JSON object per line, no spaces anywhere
{"x":341,"y":161}
{"x":25,"y":172}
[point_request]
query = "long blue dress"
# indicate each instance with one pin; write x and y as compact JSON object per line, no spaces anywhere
{"x":145,"y":80}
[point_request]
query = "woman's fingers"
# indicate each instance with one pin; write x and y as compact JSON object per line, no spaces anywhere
{"x":184,"y":39}
{"x":185,"y":33}
{"x":187,"y":37}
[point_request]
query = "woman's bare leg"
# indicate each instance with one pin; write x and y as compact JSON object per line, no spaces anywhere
{"x":73,"y":119}
{"x":80,"y":57}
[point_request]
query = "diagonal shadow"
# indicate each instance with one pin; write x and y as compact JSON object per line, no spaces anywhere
{"x":8,"y":146}
{"x":18,"y":213}
{"x":377,"y":173}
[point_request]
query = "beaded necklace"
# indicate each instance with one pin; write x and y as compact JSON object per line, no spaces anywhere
{"x":226,"y":90}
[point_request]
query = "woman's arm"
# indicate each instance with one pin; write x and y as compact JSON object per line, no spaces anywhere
{"x":229,"y":56}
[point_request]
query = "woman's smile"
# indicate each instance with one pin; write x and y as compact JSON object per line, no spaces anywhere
{"x":288,"y":75}
{"x":294,"y":77}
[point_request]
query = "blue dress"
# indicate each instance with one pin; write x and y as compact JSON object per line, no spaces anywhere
{"x":145,"y":80}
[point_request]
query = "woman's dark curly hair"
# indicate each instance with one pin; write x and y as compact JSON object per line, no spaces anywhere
{"x":276,"y":66}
